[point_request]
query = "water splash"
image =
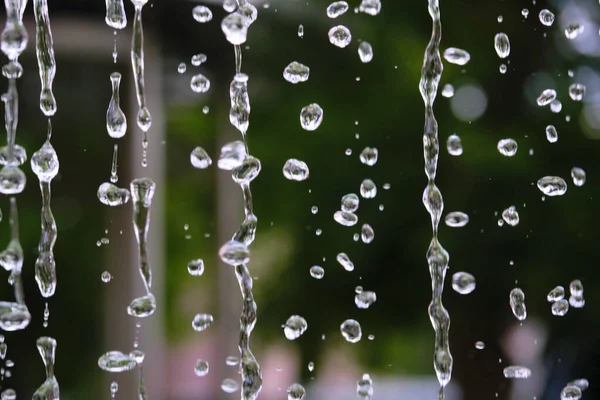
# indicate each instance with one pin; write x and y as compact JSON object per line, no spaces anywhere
{"x":49,"y":389}
{"x":437,"y":256}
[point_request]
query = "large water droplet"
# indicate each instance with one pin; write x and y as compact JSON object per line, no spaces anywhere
{"x":196,"y":267}
{"x":234,"y":253}
{"x":201,"y":322}
{"x":368,"y":190}
{"x":296,"y":391}
{"x":463,"y":282}
{"x":294,"y":327}
{"x":560,"y":307}
{"x":311,"y":117}
{"x":115,"y":361}
{"x":143,"y":306}
{"x":546,"y":97}
{"x":296,"y":72}
{"x":576,"y":91}
{"x":202,"y":14}
{"x":552,"y":185}
{"x":351,"y":330}
{"x":200,"y":158}
{"x":558,"y":293}
{"x":456,"y":219}
{"x":572,"y":31}
{"x":8,"y":394}
{"x":551,"y":134}
{"x":345,"y":218}
{"x":12,"y":180}
{"x":200,"y":83}
{"x":507,"y":147}
{"x":570,"y":393}
{"x":232,"y":155}
{"x":511,"y":216}
{"x":517,"y":304}
{"x":367,"y":234}
{"x":546,"y":17}
{"x":454,"y":145}
{"x":201,"y":368}
{"x":345,"y":262}
{"x":44,"y":163}
{"x":502,"y":45}
{"x":369,"y":156}
{"x":295,"y":170}
{"x":578,"y":176}
{"x":340,"y":36}
{"x":517,"y":372}
{"x":235,"y":29}
{"x":365,"y":52}
{"x":115,"y":14}
{"x":456,"y":56}
{"x":336,"y":9}
{"x":19,"y":155}
{"x":365,"y":299}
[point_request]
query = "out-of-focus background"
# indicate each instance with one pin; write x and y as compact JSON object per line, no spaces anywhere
{"x":376,"y":104}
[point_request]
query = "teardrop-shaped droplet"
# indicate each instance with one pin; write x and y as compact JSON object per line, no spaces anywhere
{"x":345,"y":262}
{"x":463,"y":282}
{"x":294,"y":327}
{"x":546,"y":17}
{"x":295,"y":170}
{"x":558,"y":293}
{"x":336,"y":9}
{"x":368,"y":190}
{"x":552,"y":185}
{"x":572,"y":31}
{"x":311,"y":117}
{"x":296,"y":72}
{"x":517,"y":304}
{"x":511,"y":216}
{"x":201,"y":322}
{"x":551,"y":134}
{"x":576,"y":91}
{"x":200,"y":83}
{"x":365,"y":299}
{"x":456,"y":56}
{"x":365,"y":52}
{"x":44,"y":163}
{"x":196,"y":267}
{"x":560,"y":307}
{"x":351,"y":330}
{"x":340,"y":36}
{"x":502,"y":45}
{"x":116,"y":121}
{"x":296,"y":391}
{"x":143,"y":306}
{"x":454,"y":145}
{"x":367,"y":234}
{"x":507,"y":147}
{"x":234,"y":253}
{"x":456,"y":219}
{"x":517,"y":372}
{"x":317,"y":272}
{"x":202,"y":14}
{"x":578,"y":176}
{"x":200,"y":158}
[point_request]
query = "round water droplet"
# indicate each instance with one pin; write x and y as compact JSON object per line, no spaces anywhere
{"x":576,"y":91}
{"x":556,"y":294}
{"x":546,"y":97}
{"x":336,"y":9}
{"x":367,"y":233}
{"x":365,"y":299}
{"x":365,"y":52}
{"x":502,"y":68}
{"x":296,"y":72}
{"x":572,"y":31}
{"x":106,"y":277}
{"x":229,"y":5}
{"x":198,"y":59}
{"x":546,"y":17}
{"x":463,"y":282}
{"x":570,"y":393}
{"x":247,"y":172}
{"x":578,"y":176}
{"x":201,"y":368}
{"x":454,"y":145}
{"x":115,"y":361}
{"x":456,"y":219}
{"x":181,"y":68}
{"x":296,"y":391}
{"x":311,"y":117}
{"x":234,"y":253}
{"x":551,"y":134}
{"x":314,"y":209}
{"x":507,"y":147}
{"x":345,"y":262}
{"x":368,"y":190}
{"x":294,"y":327}
{"x":295,"y":170}
{"x":232,"y":155}
{"x":44,"y":163}
{"x":350,"y":202}
{"x":517,"y":372}
{"x":511,"y":216}
{"x":235,"y":29}
{"x":8,"y":394}
{"x":479,"y":345}
{"x":456,"y":56}
{"x":448,"y":91}
{"x":317,"y":272}
{"x":12,"y":180}
{"x":340,"y":36}
{"x":351,"y":330}
{"x":196,"y":267}
{"x":552,"y":185}
{"x":576,"y":301}
{"x":517,"y":304}
{"x":502,"y":45}
{"x":232,"y":361}
{"x":560,"y":307}
{"x":345,"y":218}
{"x":369,"y":156}
{"x":200,"y":158}
{"x":201,"y":322}
{"x":111,"y":195}
{"x":200,"y":83}
{"x":229,"y":385}
{"x":525,"y":13}
{"x":202,"y":14}
{"x":556,"y":106}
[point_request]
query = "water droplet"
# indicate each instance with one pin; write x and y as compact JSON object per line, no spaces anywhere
{"x":143,"y":306}
{"x":552,"y":185}
{"x":115,"y":361}
{"x":463,"y":282}
{"x":114,"y":388}
{"x":370,"y":7}
{"x":351,"y":330}
{"x":106,"y":277}
{"x":201,"y":368}
{"x":454,"y":145}
{"x":502,"y":45}
{"x":295,"y":170}
{"x":502,"y":68}
{"x":448,"y":91}
{"x":336,"y":9}
{"x":201,"y":322}
{"x":301,"y":31}
{"x":578,"y":176}
{"x":456,"y":219}
{"x":350,"y":202}
{"x":364,"y":387}
{"x":317,"y":272}
{"x":345,"y":262}
{"x":202,"y":14}
{"x":340,"y":36}
{"x":294,"y":327}
{"x":345,"y":218}
{"x":229,"y":385}
{"x":200,"y":83}
{"x":311,"y":366}
{"x":311,"y":117}
{"x":574,"y":30}
{"x":235,"y":28}
{"x":507,"y":147}
{"x":581,"y":383}
{"x":296,"y":391}
{"x":111,"y":195}
{"x":500,"y":19}
{"x":116,"y":121}
{"x":232,"y":155}
{"x":205,"y":109}
{"x":479,"y":345}
{"x":115,"y":14}
{"x":365,"y":52}
{"x":229,"y":5}
{"x":576,"y":91}
{"x":551,"y":134}
{"x":196,"y":267}
{"x":44,"y":163}
{"x":577,"y":301}
{"x":560,"y":307}
{"x":8,"y":394}
{"x":546,"y":17}
{"x":456,"y":56}
{"x":369,"y":156}
{"x":570,"y":393}
{"x":511,"y":216}
{"x":556,"y":294}
{"x":232,"y":361}
{"x":296,"y":72}
{"x":556,"y":106}
{"x":181,"y":68}
{"x":546,"y":97}
{"x":576,"y":288}
{"x":19,"y":155}
{"x":367,"y":233}
{"x":368,"y":190}
{"x":234,"y":253}
{"x":517,"y":372}
{"x":247,"y":172}
{"x":12,"y":180}
{"x":517,"y":304}
{"x":314,"y":209}
{"x":525,"y":13}
{"x":138,"y":356}
{"x":365,"y":299}
{"x":200,"y":158}
{"x":198,"y":59}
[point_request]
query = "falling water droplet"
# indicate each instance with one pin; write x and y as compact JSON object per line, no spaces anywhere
{"x":454,"y":145}
{"x":556,"y":294}
{"x":345,"y":262}
{"x":578,"y":176}
{"x":546,"y":97}
{"x":106,"y":277}
{"x":502,"y":68}
{"x":200,"y":83}
{"x":114,"y":388}
{"x":463,"y":282}
{"x":351,"y":330}
{"x":365,"y":52}
{"x":234,"y":253}
{"x":232,"y":361}
{"x":350,"y":202}
{"x":581,"y":383}
{"x":115,"y":361}
{"x":552,"y":185}
{"x":576,"y":288}
{"x":570,"y":393}
{"x":143,"y":306}
{"x":300,"y":31}
{"x":370,"y":7}
{"x":517,"y":304}
{"x":115,"y":14}
{"x":199,"y":158}
{"x":229,"y":385}
{"x":198,"y":59}
{"x":551,"y":134}
{"x":201,"y":322}
{"x":339,"y":36}
{"x":546,"y":17}
{"x":525,"y":13}
{"x":517,"y":372}
{"x":116,"y":121}
{"x":345,"y":218}
{"x":232,"y":155}
{"x":201,"y":368}
{"x":295,"y":170}
{"x":235,"y":28}
{"x":367,"y":233}
{"x":511,"y":216}
{"x":311,"y":117}
{"x":576,"y":91}
{"x":364,"y":387}
{"x":365,"y":299}
{"x":229,"y":5}
{"x":317,"y":272}
{"x":296,"y":391}
{"x":196,"y":267}
{"x":560,"y":307}
{"x":507,"y":147}
{"x":202,"y":14}
{"x":314,"y":209}
{"x":479,"y":345}
{"x":296,"y":72}
{"x":111,"y":195}
{"x":181,"y":68}
{"x":368,"y":190}
{"x":456,"y":56}
{"x":294,"y":327}
{"x":502,"y":45}
{"x":556,"y":106}
{"x":572,"y":31}
{"x":12,"y":180}
{"x":456,"y":219}
{"x":369,"y":156}
{"x":336,"y":9}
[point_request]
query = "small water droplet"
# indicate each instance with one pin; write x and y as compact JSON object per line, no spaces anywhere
{"x":502,"y":68}
{"x":463,"y":282}
{"x":570,"y":393}
{"x":351,"y":330}
{"x":311,"y":366}
{"x":199,"y":158}
{"x":556,"y":106}
{"x":314,"y":209}
{"x":365,"y":52}
{"x":479,"y":345}
{"x":364,"y":299}
{"x":201,"y":368}
{"x":300,"y":31}
{"x":525,"y":13}
{"x":560,"y":307}
{"x":115,"y":361}
{"x":201,"y":322}
{"x":556,"y":294}
{"x":339,"y":36}
{"x":507,"y":147}
{"x":448,"y":91}
{"x":368,"y":190}
{"x":317,"y":272}
{"x":369,"y":156}
{"x":198,"y":59}
{"x":456,"y":56}
{"x":294,"y":327}
{"x":551,"y":134}
{"x":296,"y":72}
{"x":202,"y":14}
{"x":234,"y":253}
{"x":345,"y":262}
{"x":106,"y":277}
{"x":454,"y":145}
{"x":576,"y":91}
{"x":364,"y":387}
{"x":196,"y":267}
{"x":370,"y":7}
{"x":200,"y":83}
{"x":511,"y":216}
{"x":516,"y":372}
{"x":367,"y":233}
{"x":229,"y":385}
{"x":456,"y":219}
{"x":578,"y":176}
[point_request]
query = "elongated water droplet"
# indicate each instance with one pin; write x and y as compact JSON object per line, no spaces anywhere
{"x":345,"y":218}
{"x":202,"y":14}
{"x":576,"y":288}
{"x":448,"y":91}
{"x":114,"y":388}
{"x":517,"y":304}
{"x":234,"y":253}
{"x":511,"y":216}
{"x":454,"y":145}
{"x":572,"y":31}
{"x":456,"y":56}
{"x":576,"y":91}
{"x":581,"y":383}
{"x":351,"y":330}
{"x":552,"y":185}
{"x":144,"y":119}
{"x":196,"y":267}
{"x":115,"y":14}
{"x":345,"y":262}
{"x":560,"y":307}
{"x":370,"y":7}
{"x":364,"y":387}
{"x":201,"y":368}
{"x":45,"y":56}
{"x":570,"y":393}
{"x":369,"y":156}
{"x":367,"y":233}
{"x":198,"y":59}
{"x":517,"y":372}
{"x":479,"y":345}
{"x":317,"y":272}
{"x":199,"y":158}
{"x":232,"y":361}
{"x":300,"y":31}
{"x":456,"y":219}
{"x":502,"y":45}
{"x":200,"y":83}
{"x":311,"y":117}
{"x":294,"y":327}
{"x":115,"y":361}
{"x":546,"y":97}
{"x":296,"y":391}
{"x":201,"y":322}
{"x":551,"y":134}
{"x":507,"y":147}
{"x":365,"y":52}
{"x":546,"y":17}
{"x":336,"y":9}
{"x":365,"y":299}
{"x":463,"y":282}
{"x":556,"y":294}
{"x":295,"y":170}
{"x":296,"y":72}
{"x":340,"y":36}
{"x":368,"y":190}
{"x":578,"y":176}
{"x":229,"y":385}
